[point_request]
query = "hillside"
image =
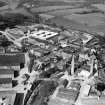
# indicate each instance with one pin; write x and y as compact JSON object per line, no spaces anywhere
{"x":75,"y":11}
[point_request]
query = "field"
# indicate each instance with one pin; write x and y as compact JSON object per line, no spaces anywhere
{"x":85,"y":15}
{"x":100,"y":6}
{"x":65,"y":12}
{"x":88,"y":19}
{"x":69,"y":24}
{"x":51,"y":8}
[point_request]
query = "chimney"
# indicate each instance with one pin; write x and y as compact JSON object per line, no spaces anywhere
{"x":92,"y":65}
{"x":72,"y":65}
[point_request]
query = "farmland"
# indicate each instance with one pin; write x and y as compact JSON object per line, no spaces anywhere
{"x":89,"y":19}
{"x":54,"y":34}
{"x":81,"y":14}
{"x":100,"y":6}
{"x":65,"y":12}
{"x":50,"y":8}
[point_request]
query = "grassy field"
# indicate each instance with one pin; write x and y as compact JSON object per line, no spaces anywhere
{"x":39,"y":3}
{"x":94,"y":1}
{"x":65,"y":12}
{"x":74,"y":13}
{"x":88,"y":19}
{"x":50,"y":9}
{"x":100,"y":6}
{"x":72,"y":24}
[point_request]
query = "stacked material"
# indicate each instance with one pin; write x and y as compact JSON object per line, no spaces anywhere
{"x":93,"y":98}
{"x":58,"y":102}
{"x":65,"y":97}
{"x":93,"y":101}
{"x":86,"y":90}
{"x":75,"y":85}
{"x":68,"y":94}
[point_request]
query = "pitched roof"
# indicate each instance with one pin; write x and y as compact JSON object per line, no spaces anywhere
{"x":6,"y":71}
{"x":5,"y":80}
{"x":12,"y":59}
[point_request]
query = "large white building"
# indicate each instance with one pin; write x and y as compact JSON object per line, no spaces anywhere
{"x":43,"y":34}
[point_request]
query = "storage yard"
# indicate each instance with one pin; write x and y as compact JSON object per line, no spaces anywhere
{"x":57,"y":67}
{"x":53,"y":55}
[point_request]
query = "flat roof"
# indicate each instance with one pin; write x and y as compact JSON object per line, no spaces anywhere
{"x":43,"y":34}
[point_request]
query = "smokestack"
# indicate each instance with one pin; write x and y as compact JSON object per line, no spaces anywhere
{"x":72,"y":65}
{"x":92,"y":65}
